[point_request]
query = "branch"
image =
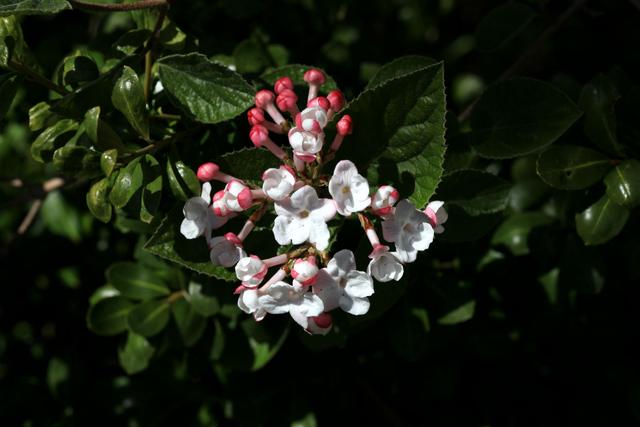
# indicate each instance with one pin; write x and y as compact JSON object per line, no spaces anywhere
{"x":32,"y":75}
{"x":117,"y":7}
{"x":531,"y":50}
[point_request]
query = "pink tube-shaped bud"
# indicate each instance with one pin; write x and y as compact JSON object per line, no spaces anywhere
{"x":305,"y":271}
{"x":323,"y":320}
{"x":281,"y":84}
{"x":319,"y":101}
{"x":233,"y":238}
{"x":276,"y":260}
{"x":315,"y":78}
{"x":264,"y":99}
{"x":207,"y":171}
{"x":255,"y":116}
{"x":259,"y":135}
{"x":336,"y":99}
{"x":278,"y":276}
{"x":287,"y":100}
{"x":344,"y":127}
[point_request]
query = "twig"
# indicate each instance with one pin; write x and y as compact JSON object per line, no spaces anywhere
{"x":532,"y":49}
{"x":117,"y":7}
{"x":149,"y":51}
{"x":36,"y":78}
{"x":31,"y":215}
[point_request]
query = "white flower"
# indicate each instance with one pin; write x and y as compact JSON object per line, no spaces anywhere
{"x":384,"y":200}
{"x":313,"y":119}
{"x":437,"y":215}
{"x":320,"y":325}
{"x":303,"y":218}
{"x":349,"y":189}
{"x":305,"y":144}
{"x":198,"y":217}
{"x":341,"y":285}
{"x":225,"y":251}
{"x":237,"y":196}
{"x":278,"y":183}
{"x":409,"y":228}
{"x":305,"y":271}
{"x":282,"y":298}
{"x":248,"y":302}
{"x":384,"y":265}
{"x":251,"y":271}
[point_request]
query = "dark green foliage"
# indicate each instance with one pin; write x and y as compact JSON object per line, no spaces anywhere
{"x":521,"y":313}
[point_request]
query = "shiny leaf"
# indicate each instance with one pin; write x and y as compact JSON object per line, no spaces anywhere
{"x":128,"y":97}
{"x":109,"y":316}
{"x":601,"y":221}
{"x":571,"y":167}
{"x":623,"y":184}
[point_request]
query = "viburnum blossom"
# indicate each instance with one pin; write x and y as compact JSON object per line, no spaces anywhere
{"x":349,"y":189}
{"x":409,"y":229}
{"x":198,"y":217}
{"x":303,"y":218}
{"x":341,"y":285}
{"x":308,"y":283}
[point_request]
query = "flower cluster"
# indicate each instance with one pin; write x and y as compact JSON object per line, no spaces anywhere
{"x":308,"y":283}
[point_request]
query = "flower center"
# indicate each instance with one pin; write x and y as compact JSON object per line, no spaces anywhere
{"x":346,"y":189}
{"x":408,"y":227}
{"x":343,"y":282}
{"x":304,"y":214}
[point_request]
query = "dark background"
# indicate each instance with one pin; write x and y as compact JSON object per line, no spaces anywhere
{"x":522,"y":360}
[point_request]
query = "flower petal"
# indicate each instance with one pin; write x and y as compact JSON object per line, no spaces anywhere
{"x":359,"y":284}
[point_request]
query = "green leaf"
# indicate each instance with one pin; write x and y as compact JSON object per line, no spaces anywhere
{"x":601,"y":221}
{"x":461,"y":314}
{"x":136,"y":282}
{"x":399,"y":67}
{"x":132,"y":41}
{"x":207,"y":91}
{"x":51,"y":139}
{"x":296,"y":73}
{"x":32,"y":7}
{"x":502,"y":25}
{"x":57,"y":374}
{"x":108,"y":161}
{"x":8,"y":89}
{"x":571,"y":167}
{"x":109,"y":316}
{"x":41,"y":116}
{"x":61,"y":218}
{"x":13,"y":48}
{"x":76,"y":160}
{"x":519,"y":116}
{"x":399,"y":133}
{"x":152,"y":190}
{"x":128,"y":97}
{"x":514,"y":232}
{"x":623,"y":184}
{"x":250,"y":57}
{"x":134,"y":357}
{"x":98,"y":200}
{"x":103,"y":292}
{"x":149,"y":317}
{"x":476,"y":192}
{"x":183,"y":182}
{"x":191,"y":324}
{"x":100,"y":132}
{"x":203,"y":299}
{"x":597,"y":100}
{"x":248,"y":164}
{"x":128,"y":182}
{"x":168,"y":243}
{"x":78,"y":69}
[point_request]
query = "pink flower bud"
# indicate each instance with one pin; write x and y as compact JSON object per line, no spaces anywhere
{"x":207,"y":171}
{"x":336,"y":99}
{"x":258,"y":135}
{"x":241,"y":193}
{"x":314,"y":76}
{"x":286,"y":100}
{"x":255,"y":116}
{"x":298,"y":120}
{"x":264,"y":98}
{"x":384,"y":200}
{"x":233,"y":239}
{"x":305,"y":271}
{"x":282,"y":83}
{"x":323,"y":320}
{"x":219,"y":205}
{"x":345,"y":125}
{"x":319,"y":101}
